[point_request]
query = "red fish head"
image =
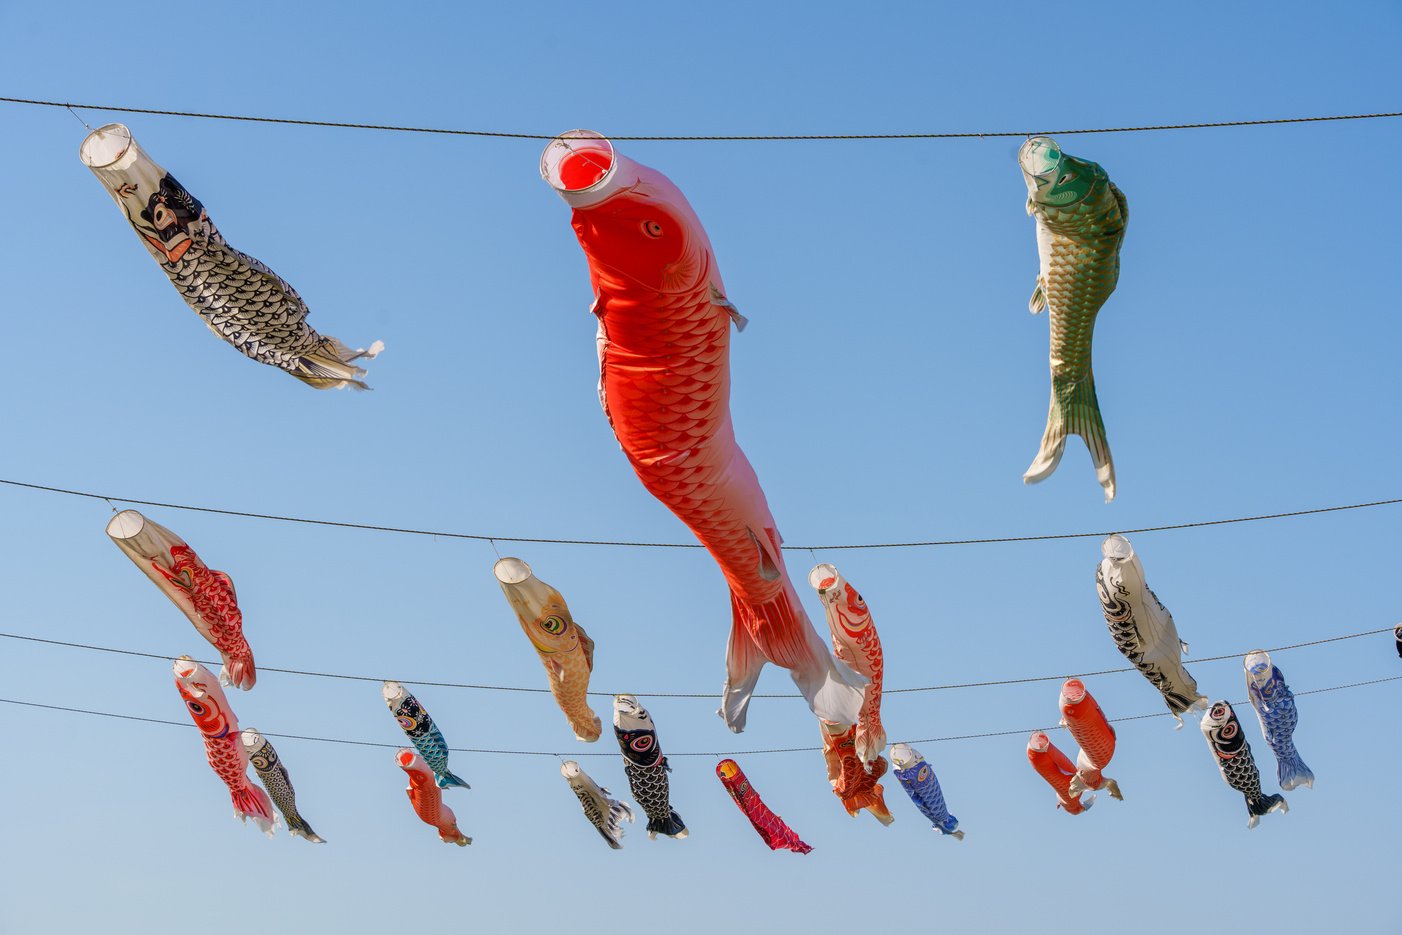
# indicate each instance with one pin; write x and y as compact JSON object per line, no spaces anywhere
{"x":632,"y":222}
{"x":727,"y":769}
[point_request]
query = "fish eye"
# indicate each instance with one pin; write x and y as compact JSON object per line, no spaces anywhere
{"x":652,"y":229}
{"x":1065,"y":178}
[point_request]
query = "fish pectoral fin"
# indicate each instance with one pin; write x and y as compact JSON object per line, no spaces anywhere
{"x":718,"y":299}
{"x":768,"y":569}
{"x":1038,"y":302}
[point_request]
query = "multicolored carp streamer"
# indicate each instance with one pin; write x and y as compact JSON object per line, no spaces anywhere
{"x":855,"y":642}
{"x":203,"y":595}
{"x":1143,"y":628}
{"x":1082,"y":717}
{"x":605,"y":814}
{"x":853,"y":781}
{"x":427,"y":798}
{"x":664,"y":381}
{"x":770,"y":826}
{"x":923,"y":787}
{"x":564,"y":648}
{"x":1275,"y":707}
{"x":422,"y":732}
{"x":1233,"y":754}
{"x":1053,"y":766}
{"x":205,"y":701}
{"x":646,"y":767}
{"x":274,"y":777}
{"x":1081,"y":218}
{"x":240,"y":299}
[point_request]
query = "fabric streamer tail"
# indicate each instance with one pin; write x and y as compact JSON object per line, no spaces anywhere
{"x":833,"y":690}
{"x":672,"y":826}
{"x":330,"y":366}
{"x":1264,"y":806}
{"x":1293,"y":773}
{"x":252,"y":802}
{"x":1074,"y":411}
{"x":449,"y":780}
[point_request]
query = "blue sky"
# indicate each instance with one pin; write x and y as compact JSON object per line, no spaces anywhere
{"x":891,"y":386}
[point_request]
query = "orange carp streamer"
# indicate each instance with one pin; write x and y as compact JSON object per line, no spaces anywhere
{"x":1082,"y":717}
{"x":664,"y":382}
{"x":855,"y":642}
{"x":853,"y":781}
{"x":1053,"y":766}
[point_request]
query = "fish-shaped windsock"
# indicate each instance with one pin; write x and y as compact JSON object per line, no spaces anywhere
{"x":1275,"y":706}
{"x":564,"y":648}
{"x":1142,"y":627}
{"x":1082,"y":717}
{"x":205,"y":701}
{"x":274,"y":777}
{"x":204,"y":595}
{"x":646,"y":767}
{"x":240,"y":299}
{"x":427,"y":798}
{"x":1397,"y":638}
{"x":855,"y":642}
{"x":771,"y":828}
{"x":1053,"y":766}
{"x":664,"y":381}
{"x":854,"y":782}
{"x":923,"y":787}
{"x":1233,"y":754}
{"x":422,"y":732}
{"x":605,"y":814}
{"x":1081,"y":219}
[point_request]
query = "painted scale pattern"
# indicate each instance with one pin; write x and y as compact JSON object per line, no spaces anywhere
{"x":1275,"y":708}
{"x":212,"y":595}
{"x":771,"y":828}
{"x":219,"y":728}
{"x":851,"y":782}
{"x":425,"y":736}
{"x":855,"y":642}
{"x":923,"y":787}
{"x":239,"y":298}
{"x":664,"y":365}
{"x":1228,"y":743}
{"x":1081,"y":218}
{"x":278,"y":784}
{"x":604,"y":813}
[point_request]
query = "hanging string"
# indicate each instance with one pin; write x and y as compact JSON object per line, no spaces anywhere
{"x":747,"y":138}
{"x":166,"y":657}
{"x":1048,"y":537}
{"x":706,"y":753}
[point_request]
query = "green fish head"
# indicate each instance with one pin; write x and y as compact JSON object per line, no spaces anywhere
{"x":1054,"y":178}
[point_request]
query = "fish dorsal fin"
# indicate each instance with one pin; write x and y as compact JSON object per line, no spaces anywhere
{"x":1038,"y":302}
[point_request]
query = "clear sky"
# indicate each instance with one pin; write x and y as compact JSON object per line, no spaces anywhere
{"x":891,"y":386}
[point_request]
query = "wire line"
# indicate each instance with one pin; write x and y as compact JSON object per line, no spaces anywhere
{"x":696,"y":545}
{"x":165,"y":657}
{"x":673,"y":139}
{"x":552,"y":753}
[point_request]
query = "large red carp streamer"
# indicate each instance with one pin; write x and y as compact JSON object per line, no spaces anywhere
{"x":664,"y":382}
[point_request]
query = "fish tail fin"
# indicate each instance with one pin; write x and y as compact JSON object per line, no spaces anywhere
{"x":330,"y":366}
{"x":873,"y":800}
{"x":620,"y":812}
{"x":297,"y":826}
{"x":1293,"y":773}
{"x":1074,"y":411}
{"x":1264,"y":805}
{"x":447,"y":780}
{"x":1113,"y":788}
{"x":672,"y":826}
{"x":743,"y":664}
{"x":871,"y":740}
{"x":957,"y":835}
{"x":252,"y":802}
{"x":238,"y":671}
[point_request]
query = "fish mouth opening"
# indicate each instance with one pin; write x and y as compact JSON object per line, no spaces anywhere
{"x":1039,"y":156}
{"x":249,"y":738}
{"x":1073,"y":691}
{"x":183,"y":667}
{"x":569,"y":769}
{"x":1257,"y":664}
{"x":727,"y":769}
{"x":578,"y":161}
{"x":822,"y":577}
{"x":405,"y":758}
{"x":391,"y":691}
{"x":1038,"y":742}
{"x":126,"y":525}
{"x":1118,"y":548}
{"x":511,"y":571}
{"x":902,"y":754}
{"x":105,"y":146}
